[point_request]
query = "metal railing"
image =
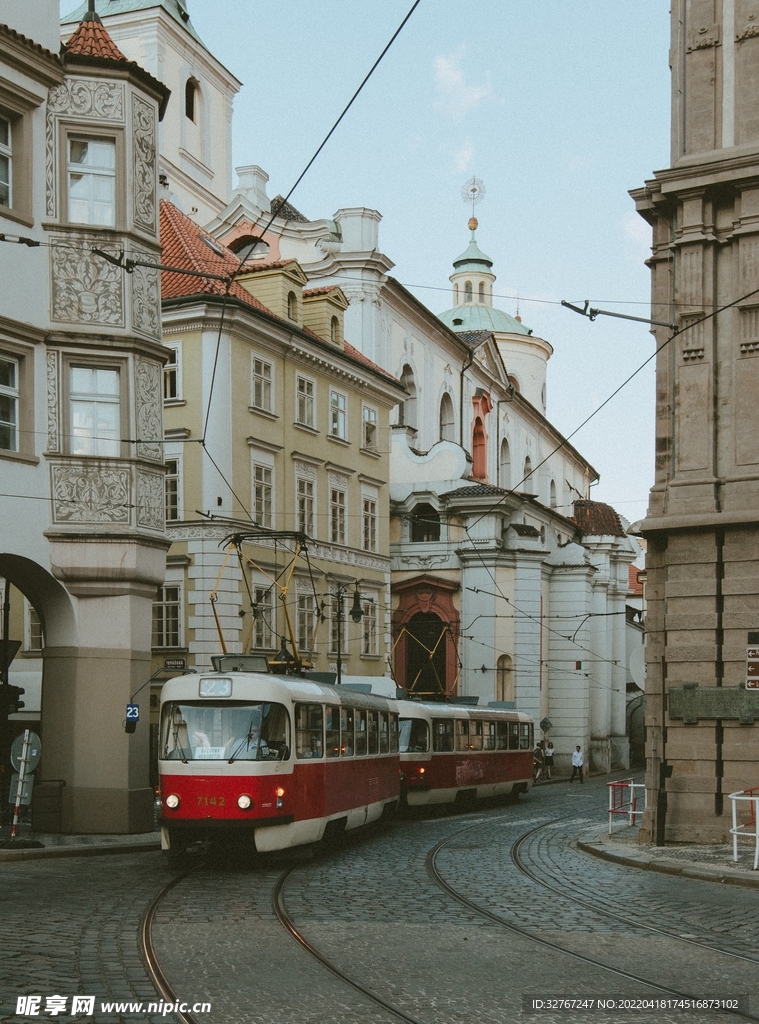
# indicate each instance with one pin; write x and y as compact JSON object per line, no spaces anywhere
{"x":750,"y":797}
{"x":624,"y":799}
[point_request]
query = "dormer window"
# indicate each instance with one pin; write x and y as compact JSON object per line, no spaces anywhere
{"x":467,"y":291}
{"x":292,"y":306}
{"x":190,"y":90}
{"x":334,"y":331}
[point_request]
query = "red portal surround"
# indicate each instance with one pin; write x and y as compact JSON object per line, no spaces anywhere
{"x":426,"y":594}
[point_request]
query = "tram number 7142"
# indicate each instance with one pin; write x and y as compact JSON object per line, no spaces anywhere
{"x":211,"y":801}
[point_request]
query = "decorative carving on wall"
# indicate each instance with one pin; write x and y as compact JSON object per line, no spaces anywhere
{"x":95,"y":493}
{"x":146,"y":299}
{"x":53,"y":434}
{"x":749,"y":348}
{"x":703,"y":37}
{"x":85,"y":288}
{"x":151,"y":513}
{"x":148,"y":410}
{"x":338,"y":480}
{"x":692,"y":354}
{"x":144,"y":155}
{"x":305,"y":470}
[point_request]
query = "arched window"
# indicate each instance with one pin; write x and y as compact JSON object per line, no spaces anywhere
{"x":504,"y":678}
{"x":479,"y":451}
{"x":467,"y":291}
{"x":425,"y":524}
{"x":553,"y":494}
{"x":527,"y":470}
{"x":447,"y":425}
{"x":407,"y":411}
{"x":190,"y":89}
{"x":482,"y":291}
{"x":292,"y":306}
{"x":504,"y":465}
{"x":249,"y":247}
{"x":334,"y":330}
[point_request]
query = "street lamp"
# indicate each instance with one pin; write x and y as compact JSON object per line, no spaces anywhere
{"x":357,"y":613}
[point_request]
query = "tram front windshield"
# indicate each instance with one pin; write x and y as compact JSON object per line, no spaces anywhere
{"x":224,"y":731}
{"x":414,"y":736}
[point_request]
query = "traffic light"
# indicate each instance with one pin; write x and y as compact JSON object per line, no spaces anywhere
{"x":9,"y":699}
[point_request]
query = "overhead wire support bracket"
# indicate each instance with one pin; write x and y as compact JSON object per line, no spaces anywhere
{"x":591,"y":313}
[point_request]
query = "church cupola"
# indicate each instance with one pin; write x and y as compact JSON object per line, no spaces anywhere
{"x":473,"y":277}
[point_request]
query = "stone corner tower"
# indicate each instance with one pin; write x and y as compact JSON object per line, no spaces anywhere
{"x":702,"y":526}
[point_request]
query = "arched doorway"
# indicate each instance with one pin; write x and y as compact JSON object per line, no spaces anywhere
{"x":425,"y":656}
{"x":425,"y":637}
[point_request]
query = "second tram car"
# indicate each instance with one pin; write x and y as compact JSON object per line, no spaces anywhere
{"x":282,"y":757}
{"x":451,"y":752}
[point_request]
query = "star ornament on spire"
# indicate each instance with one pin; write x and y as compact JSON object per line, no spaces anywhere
{"x":473,"y":191}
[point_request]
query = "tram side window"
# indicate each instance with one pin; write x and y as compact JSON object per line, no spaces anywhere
{"x":442,"y":735}
{"x":309,"y":735}
{"x":346,"y":732}
{"x":415,"y":736}
{"x":525,"y":736}
{"x":488,"y":731}
{"x":383,"y":737}
{"x":475,"y":735}
{"x":374,"y":732}
{"x":462,"y":734}
{"x":275,"y":733}
{"x":513,"y":735}
{"x":333,"y":731}
{"x":503,"y":735}
{"x":393,"y":733}
{"x":360,"y":732}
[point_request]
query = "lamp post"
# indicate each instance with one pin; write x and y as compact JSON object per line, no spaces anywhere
{"x":357,"y":613}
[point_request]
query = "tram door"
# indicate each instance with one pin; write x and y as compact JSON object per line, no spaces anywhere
{"x":426,"y":656}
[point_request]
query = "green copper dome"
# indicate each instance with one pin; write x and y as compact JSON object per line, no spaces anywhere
{"x":474,"y":316}
{"x":176,"y":8}
{"x":473,"y":259}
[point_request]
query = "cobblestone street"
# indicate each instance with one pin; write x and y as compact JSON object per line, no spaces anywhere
{"x":447,"y":918}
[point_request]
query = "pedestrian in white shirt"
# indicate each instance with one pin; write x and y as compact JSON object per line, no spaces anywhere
{"x":577,"y":763}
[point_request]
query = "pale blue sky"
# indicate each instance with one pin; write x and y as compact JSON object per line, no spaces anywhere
{"x":559,"y":106}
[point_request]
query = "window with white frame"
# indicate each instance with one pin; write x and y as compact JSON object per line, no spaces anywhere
{"x":305,"y":505}
{"x":92,"y":181}
{"x":173,"y":490}
{"x":304,"y":412}
{"x":35,"y":639}
{"x":263,"y":482}
{"x":172,"y":375}
{"x":9,"y":402}
{"x":305,"y":618}
{"x":264,"y":633}
{"x":167,"y":621}
{"x":369,"y":507}
{"x":338,"y":426}
{"x":369,"y":418}
{"x":337,"y":626}
{"x":95,"y":405}
{"x":337,"y":515}
{"x":369,"y":641}
{"x":6,"y":157}
{"x":262,"y":384}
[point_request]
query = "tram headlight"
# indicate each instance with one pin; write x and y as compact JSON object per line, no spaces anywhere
{"x":422,"y":771}
{"x":244,"y":801}
{"x":280,"y":797}
{"x":172,"y":801}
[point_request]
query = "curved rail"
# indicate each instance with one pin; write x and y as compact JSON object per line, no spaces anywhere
{"x":147,"y":949}
{"x":278,"y":905}
{"x":432,"y":871}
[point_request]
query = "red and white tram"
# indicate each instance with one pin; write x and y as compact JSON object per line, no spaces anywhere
{"x":451,"y":752}
{"x":282,"y":757}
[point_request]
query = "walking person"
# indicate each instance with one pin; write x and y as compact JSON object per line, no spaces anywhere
{"x":548,"y":759}
{"x":537,"y":763}
{"x":577,"y":763}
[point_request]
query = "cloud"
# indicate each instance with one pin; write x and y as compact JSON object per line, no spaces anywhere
{"x":462,"y":158}
{"x":454,"y":96}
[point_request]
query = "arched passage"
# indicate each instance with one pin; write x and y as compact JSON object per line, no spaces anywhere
{"x":425,"y":636}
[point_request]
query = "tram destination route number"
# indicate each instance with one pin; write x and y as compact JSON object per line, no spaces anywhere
{"x":633,"y":1004}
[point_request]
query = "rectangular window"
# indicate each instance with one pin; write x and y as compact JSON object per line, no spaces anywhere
{"x":166,"y":617}
{"x":305,"y":622}
{"x":393,"y":733}
{"x":262,"y":385}
{"x":333,"y":731}
{"x":305,"y":402}
{"x":369,"y":439}
{"x":305,"y":506}
{"x":6,"y":155}
{"x":34,"y":638}
{"x":262,"y":492}
{"x":337,"y":516}
{"x":384,"y":734}
{"x":334,"y":620}
{"x":95,"y":412}
{"x":475,"y":735}
{"x":309,"y":735}
{"x":442,"y":735}
{"x":92,"y":181}
{"x":513,"y":735}
{"x":503,"y":735}
{"x":346,"y":732}
{"x":172,"y":490}
{"x":9,"y":397}
{"x":489,"y":735}
{"x":370,"y":524}
{"x":373,"y":732}
{"x":337,"y":419}
{"x":360,"y":717}
{"x":369,"y":628}
{"x":462,"y":734}
{"x":263,"y":622}
{"x":172,"y":391}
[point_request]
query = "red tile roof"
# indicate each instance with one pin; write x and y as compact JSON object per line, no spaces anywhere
{"x":595,"y":519}
{"x":320,"y":291}
{"x":635,"y":585}
{"x":256,"y":267}
{"x":92,"y":39}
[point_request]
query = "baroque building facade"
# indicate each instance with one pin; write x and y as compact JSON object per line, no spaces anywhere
{"x":81,"y":364}
{"x":702,"y":530}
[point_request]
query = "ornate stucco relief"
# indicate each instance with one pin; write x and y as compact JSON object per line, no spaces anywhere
{"x":146,"y":298}
{"x":53,"y":402}
{"x":150,"y":501}
{"x":91,"y":493}
{"x":148,"y":410}
{"x":144,"y":157}
{"x":305,"y":470}
{"x":85,"y":288}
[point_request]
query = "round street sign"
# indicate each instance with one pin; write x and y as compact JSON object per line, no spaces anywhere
{"x":33,"y":752}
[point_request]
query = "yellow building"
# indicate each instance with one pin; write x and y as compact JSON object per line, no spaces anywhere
{"x":277,"y":433}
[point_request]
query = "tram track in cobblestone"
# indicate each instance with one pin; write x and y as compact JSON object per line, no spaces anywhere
{"x":484,"y":912}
